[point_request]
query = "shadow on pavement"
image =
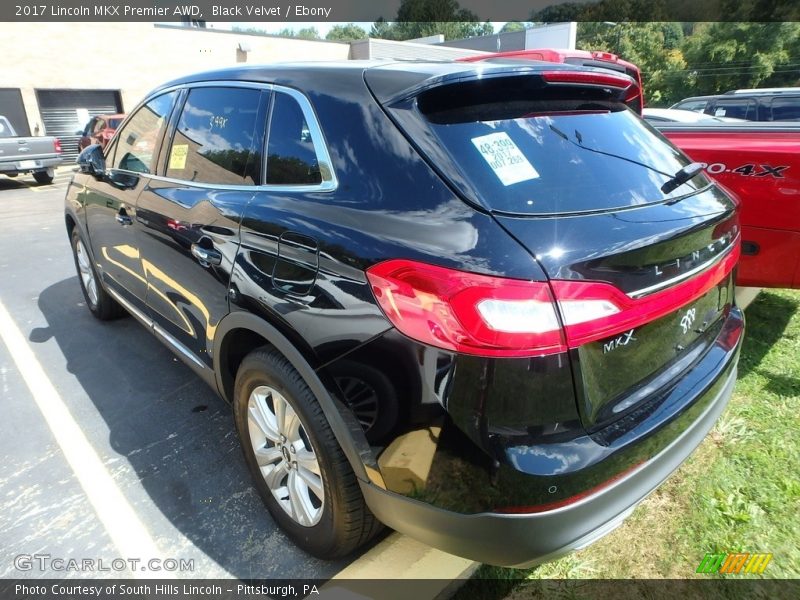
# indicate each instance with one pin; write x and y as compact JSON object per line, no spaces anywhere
{"x":177,"y":436}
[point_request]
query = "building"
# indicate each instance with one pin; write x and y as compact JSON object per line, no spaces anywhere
{"x":58,"y":75}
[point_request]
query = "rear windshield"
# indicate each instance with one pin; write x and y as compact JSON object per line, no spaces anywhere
{"x":114,"y":123}
{"x":535,"y":158}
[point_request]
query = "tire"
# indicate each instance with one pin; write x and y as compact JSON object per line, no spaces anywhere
{"x":101,"y":305}
{"x":44,"y":177}
{"x":325,"y":513}
{"x":371,"y":396}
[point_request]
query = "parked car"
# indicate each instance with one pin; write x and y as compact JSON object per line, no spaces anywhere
{"x":693,"y":103}
{"x":36,"y":155}
{"x":484,"y":305}
{"x":584,"y":58}
{"x":99,"y":130}
{"x":760,"y":164}
{"x":769,"y":104}
{"x":673,"y":115}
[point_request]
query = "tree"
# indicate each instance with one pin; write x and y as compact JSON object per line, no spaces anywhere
{"x":421,"y":18}
{"x":512,"y":26}
{"x":346,"y":33}
{"x":653,"y":47}
{"x":723,"y":56}
{"x":308,"y":33}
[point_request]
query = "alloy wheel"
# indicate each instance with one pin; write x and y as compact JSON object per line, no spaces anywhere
{"x":285,"y":456}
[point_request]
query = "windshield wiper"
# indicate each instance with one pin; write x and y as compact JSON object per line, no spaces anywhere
{"x":684,"y":175}
{"x":675,"y":181}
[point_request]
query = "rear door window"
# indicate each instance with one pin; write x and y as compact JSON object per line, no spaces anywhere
{"x":737,"y":109}
{"x":219,"y":137}
{"x":137,"y":141}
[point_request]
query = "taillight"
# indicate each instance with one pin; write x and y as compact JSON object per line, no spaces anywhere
{"x":57,"y":145}
{"x":465,"y":312}
{"x":588,"y":78}
{"x":496,"y":316}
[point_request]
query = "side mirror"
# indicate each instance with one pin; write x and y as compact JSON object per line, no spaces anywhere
{"x":92,"y":161}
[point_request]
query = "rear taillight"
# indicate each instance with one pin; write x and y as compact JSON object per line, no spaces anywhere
{"x":465,"y":312}
{"x":496,"y":316}
{"x":57,"y":146}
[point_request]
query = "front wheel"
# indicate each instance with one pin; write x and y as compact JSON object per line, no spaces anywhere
{"x":100,"y":303}
{"x":297,"y":465}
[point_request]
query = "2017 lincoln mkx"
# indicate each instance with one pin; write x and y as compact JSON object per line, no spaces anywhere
{"x":484,"y":305}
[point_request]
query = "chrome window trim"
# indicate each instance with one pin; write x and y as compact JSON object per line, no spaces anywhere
{"x":329,"y":180}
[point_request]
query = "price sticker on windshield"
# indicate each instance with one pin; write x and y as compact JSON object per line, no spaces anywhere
{"x":505,"y":158}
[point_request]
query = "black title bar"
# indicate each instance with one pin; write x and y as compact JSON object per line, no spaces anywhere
{"x":371,"y":10}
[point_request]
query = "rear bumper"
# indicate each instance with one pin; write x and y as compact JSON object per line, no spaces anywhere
{"x":41,"y":164}
{"x":523,"y":540}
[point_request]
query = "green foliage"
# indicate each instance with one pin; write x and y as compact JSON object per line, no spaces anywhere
{"x":515,"y":26}
{"x":725,"y":56}
{"x":346,"y":33}
{"x":421,"y":18}
{"x":308,"y":33}
{"x":678,"y":60}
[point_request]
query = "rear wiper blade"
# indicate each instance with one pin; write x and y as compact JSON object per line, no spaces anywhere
{"x":685,"y":174}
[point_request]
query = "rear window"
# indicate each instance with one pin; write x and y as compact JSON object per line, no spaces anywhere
{"x":785,"y":109}
{"x":552,"y":156}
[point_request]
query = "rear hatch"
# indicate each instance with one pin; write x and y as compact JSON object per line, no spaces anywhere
{"x":642,"y":276}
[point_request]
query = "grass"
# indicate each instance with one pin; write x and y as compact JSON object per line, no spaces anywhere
{"x":740,"y":491}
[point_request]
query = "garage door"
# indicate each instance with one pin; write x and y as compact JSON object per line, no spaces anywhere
{"x":12,"y":108}
{"x":66,"y":111}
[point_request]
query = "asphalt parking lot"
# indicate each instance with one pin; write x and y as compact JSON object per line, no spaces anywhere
{"x":153,"y":445}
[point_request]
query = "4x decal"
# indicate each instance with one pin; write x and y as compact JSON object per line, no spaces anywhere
{"x":748,"y":170}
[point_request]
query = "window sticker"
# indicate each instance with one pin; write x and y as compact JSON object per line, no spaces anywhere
{"x":505,"y":158}
{"x":177,"y":158}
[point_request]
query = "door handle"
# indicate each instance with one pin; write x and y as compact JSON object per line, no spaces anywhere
{"x":206,"y":257}
{"x":123,"y":219}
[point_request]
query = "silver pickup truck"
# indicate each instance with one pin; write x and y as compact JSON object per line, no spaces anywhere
{"x":37,"y":155}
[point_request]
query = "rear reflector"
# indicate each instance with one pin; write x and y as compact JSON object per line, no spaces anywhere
{"x":538,"y":508}
{"x":588,"y":78}
{"x":496,"y":316}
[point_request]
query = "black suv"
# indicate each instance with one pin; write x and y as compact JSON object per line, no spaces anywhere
{"x":485,"y":305}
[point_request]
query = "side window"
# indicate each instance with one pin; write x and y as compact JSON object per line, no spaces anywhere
{"x":219,"y":137}
{"x":292,"y":158}
{"x":98,"y":126}
{"x":137,"y":142}
{"x":738,"y":109}
{"x":786,"y":109}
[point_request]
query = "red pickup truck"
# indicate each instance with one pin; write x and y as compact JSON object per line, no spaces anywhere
{"x":760,"y":164}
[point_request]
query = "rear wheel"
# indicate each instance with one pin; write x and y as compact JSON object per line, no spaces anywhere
{"x":370,"y":395}
{"x":44,"y":177}
{"x":102,"y":306}
{"x":297,"y":465}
